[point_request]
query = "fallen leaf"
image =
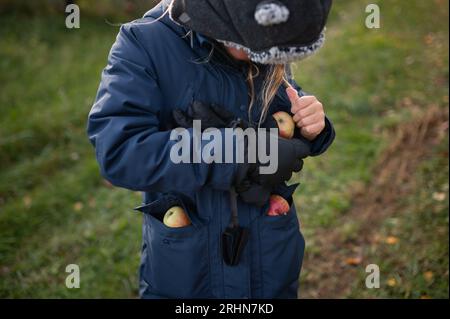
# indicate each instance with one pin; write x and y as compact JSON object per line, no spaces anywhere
{"x":353,"y":261}
{"x":439,"y":196}
{"x":391,"y":240}
{"x":429,"y":39}
{"x":391,"y":282}
{"x":78,"y":206}
{"x":407,"y":101}
{"x":428,"y":275}
{"x":27,"y":201}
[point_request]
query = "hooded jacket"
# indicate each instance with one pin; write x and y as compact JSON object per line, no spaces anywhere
{"x":153,"y":68}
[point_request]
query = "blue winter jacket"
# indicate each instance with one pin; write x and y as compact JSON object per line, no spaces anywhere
{"x":153,"y":68}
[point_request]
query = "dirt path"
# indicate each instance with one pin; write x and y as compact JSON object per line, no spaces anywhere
{"x":330,"y":273}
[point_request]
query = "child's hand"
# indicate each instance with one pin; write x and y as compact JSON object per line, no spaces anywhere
{"x":308,"y":113}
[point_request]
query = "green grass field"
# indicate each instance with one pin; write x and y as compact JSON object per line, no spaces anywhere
{"x":56,"y":210}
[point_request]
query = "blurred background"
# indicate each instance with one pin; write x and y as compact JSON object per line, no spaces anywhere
{"x":379,"y":196}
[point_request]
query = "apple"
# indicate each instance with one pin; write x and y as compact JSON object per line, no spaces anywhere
{"x":278,"y":206}
{"x":176,"y":217}
{"x":285,"y":123}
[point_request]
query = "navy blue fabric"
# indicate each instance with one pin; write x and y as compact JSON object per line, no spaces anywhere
{"x":152,"y":69}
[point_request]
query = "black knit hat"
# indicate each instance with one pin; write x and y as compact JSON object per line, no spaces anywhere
{"x":270,"y":31}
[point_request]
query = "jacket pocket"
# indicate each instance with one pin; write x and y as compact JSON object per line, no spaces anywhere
{"x":282,"y":248}
{"x":177,"y":258}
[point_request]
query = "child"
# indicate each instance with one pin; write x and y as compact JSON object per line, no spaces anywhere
{"x":223,"y":63}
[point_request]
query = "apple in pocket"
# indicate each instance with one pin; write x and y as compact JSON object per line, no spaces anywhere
{"x":278,"y":206}
{"x":176,"y":217}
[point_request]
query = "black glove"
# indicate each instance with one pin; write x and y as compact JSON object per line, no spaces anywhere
{"x":290,"y":157}
{"x":211,"y":116}
{"x":252,"y":186}
{"x":215,"y":116}
{"x":254,"y":194}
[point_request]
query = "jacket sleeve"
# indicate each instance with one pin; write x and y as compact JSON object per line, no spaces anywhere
{"x":123,"y":127}
{"x":324,"y":140}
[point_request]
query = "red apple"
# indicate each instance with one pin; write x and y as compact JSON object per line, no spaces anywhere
{"x":176,"y":217}
{"x":278,"y":206}
{"x":286,"y":124}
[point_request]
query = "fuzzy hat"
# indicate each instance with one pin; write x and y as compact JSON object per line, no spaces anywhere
{"x":269,"y":31}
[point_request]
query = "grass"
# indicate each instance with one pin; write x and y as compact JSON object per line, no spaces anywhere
{"x":371,"y":81}
{"x":56,"y":210}
{"x":416,"y":264}
{"x":363,"y":78}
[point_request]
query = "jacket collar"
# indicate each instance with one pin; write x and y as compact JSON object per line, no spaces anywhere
{"x":195,"y":39}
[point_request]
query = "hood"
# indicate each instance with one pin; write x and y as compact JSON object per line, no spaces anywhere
{"x":156,"y":13}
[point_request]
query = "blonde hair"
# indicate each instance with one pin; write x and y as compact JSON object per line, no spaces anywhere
{"x":275,"y":77}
